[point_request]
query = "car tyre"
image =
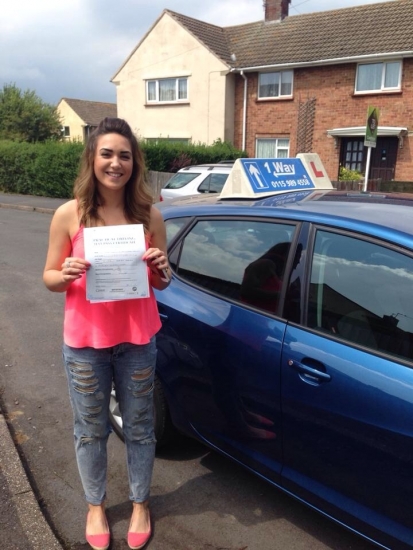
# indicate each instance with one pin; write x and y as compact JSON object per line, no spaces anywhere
{"x":164,"y":429}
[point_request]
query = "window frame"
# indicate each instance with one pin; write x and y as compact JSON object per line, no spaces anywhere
{"x":65,"y":131}
{"x":277,"y":147}
{"x":157,"y":81}
{"x":383,"y":88}
{"x":280,"y":95}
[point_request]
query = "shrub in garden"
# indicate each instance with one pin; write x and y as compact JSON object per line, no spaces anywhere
{"x":50,"y":168}
{"x":47,"y":169}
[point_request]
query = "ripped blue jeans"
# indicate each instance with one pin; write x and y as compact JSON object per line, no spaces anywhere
{"x":90,"y":374}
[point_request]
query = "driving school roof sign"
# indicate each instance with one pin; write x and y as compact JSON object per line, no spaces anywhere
{"x":264,"y":177}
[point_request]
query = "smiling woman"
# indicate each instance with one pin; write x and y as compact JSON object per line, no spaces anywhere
{"x":109,"y":341}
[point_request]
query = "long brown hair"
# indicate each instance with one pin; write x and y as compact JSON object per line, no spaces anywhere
{"x":138,"y":196}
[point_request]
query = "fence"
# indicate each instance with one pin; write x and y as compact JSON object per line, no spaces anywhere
{"x":156,"y":181}
{"x":375,"y":185}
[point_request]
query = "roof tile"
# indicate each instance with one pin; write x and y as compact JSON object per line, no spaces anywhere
{"x":370,"y":29}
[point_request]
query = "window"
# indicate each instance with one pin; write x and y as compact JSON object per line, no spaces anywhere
{"x":363,"y":293}
{"x":242,"y":260}
{"x":278,"y":84}
{"x":213,"y":183}
{"x":173,"y":227}
{"x":272,"y":148}
{"x":87,"y":131}
{"x":65,"y":131}
{"x":376,"y":77}
{"x":180,"y":180}
{"x":167,"y":90}
{"x":353,"y":154}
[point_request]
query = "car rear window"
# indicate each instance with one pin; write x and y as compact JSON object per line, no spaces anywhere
{"x":213,"y":183}
{"x":181,"y":179}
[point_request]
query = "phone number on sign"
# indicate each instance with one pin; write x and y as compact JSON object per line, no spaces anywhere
{"x":290,"y":183}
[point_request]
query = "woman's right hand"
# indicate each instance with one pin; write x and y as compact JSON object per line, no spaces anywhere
{"x":74,"y":268}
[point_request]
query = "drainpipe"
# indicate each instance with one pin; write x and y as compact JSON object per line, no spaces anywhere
{"x":244,"y":117}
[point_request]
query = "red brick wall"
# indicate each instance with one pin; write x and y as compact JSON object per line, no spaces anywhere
{"x":336,"y":107}
{"x":276,"y":9}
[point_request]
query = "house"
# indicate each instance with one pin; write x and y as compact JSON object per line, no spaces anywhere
{"x":281,"y":86}
{"x":79,"y":118}
{"x":175,"y":84}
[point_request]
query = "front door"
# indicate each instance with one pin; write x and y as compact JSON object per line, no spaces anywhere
{"x":383,"y":157}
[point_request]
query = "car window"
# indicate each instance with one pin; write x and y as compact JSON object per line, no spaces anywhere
{"x":173,"y":226}
{"x":238,"y":259}
{"x":213,"y":183}
{"x":181,"y":179}
{"x":362,"y":292}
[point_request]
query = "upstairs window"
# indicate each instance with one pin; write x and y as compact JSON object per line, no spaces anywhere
{"x":65,"y":131}
{"x":167,"y":90}
{"x":379,"y":77}
{"x":279,"y":84}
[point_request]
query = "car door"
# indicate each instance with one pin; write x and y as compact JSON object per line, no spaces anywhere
{"x":221,"y":340}
{"x":347,"y":387}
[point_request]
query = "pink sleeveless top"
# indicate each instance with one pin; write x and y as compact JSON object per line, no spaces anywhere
{"x":106,"y":324}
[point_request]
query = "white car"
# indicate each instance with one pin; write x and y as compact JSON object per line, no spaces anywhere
{"x":192,"y":180}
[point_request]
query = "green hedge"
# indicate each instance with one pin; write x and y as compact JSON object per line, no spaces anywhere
{"x":165,"y":156}
{"x":49,"y":169}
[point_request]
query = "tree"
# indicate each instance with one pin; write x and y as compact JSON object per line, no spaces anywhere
{"x":25,"y":117}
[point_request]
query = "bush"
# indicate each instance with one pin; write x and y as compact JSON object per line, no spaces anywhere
{"x":49,"y":169}
{"x":349,"y":175}
{"x":164,"y":156}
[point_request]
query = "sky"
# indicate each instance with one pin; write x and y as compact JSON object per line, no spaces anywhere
{"x":62,"y":48}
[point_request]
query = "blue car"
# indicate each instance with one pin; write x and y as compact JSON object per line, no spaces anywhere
{"x":287,"y":345}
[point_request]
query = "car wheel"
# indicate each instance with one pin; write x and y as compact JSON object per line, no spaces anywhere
{"x":164,"y":429}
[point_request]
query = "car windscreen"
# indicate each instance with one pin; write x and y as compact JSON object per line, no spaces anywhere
{"x":180,"y":180}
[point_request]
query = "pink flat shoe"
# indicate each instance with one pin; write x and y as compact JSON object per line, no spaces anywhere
{"x":139,"y":540}
{"x":98,"y":542}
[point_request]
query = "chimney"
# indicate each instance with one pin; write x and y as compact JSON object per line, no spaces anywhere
{"x":276,"y":10}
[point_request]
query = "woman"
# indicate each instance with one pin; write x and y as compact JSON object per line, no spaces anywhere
{"x":111,"y":341}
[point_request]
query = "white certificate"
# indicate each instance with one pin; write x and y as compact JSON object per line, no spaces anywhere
{"x":117,"y":271}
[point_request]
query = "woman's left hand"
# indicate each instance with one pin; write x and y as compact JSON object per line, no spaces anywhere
{"x":157,"y":260}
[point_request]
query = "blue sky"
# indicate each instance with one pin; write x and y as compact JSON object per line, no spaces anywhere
{"x":72,"y":49}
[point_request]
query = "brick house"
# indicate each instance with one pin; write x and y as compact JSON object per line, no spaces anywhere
{"x":304,"y":83}
{"x":283,"y":85}
{"x":80,"y":117}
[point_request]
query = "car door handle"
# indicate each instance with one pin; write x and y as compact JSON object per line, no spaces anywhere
{"x":163,"y":317}
{"x":309,"y":374}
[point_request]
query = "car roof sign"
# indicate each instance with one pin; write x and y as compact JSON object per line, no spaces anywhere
{"x":261,"y":177}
